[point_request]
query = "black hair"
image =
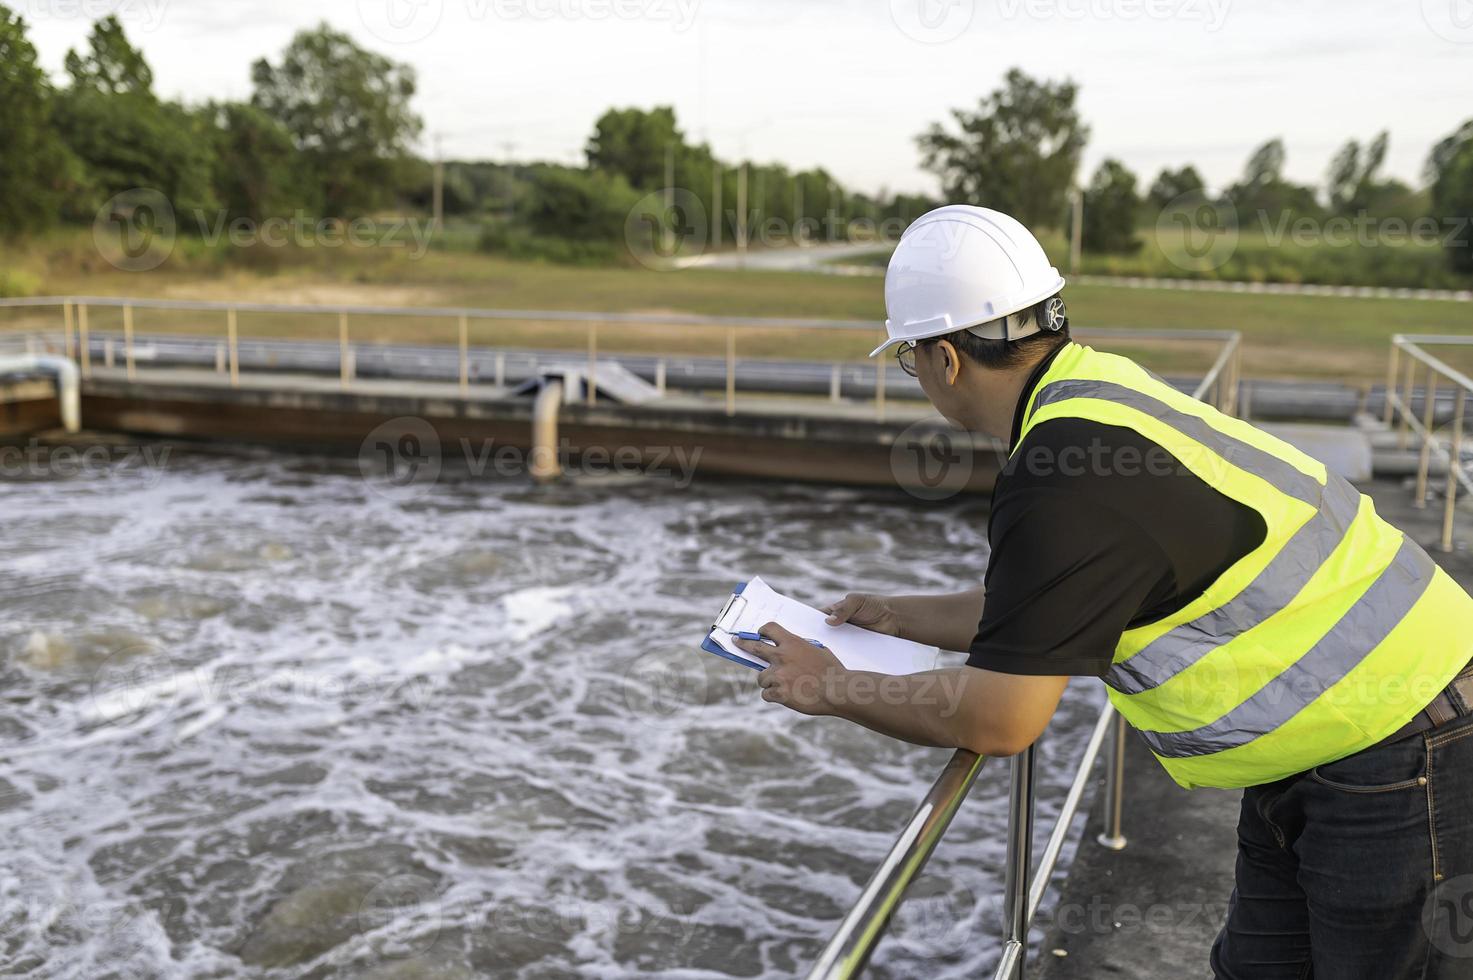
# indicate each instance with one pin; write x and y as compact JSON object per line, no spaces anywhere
{"x":1005,"y":354}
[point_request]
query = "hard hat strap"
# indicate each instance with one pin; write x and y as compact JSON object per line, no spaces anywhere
{"x":1048,"y":316}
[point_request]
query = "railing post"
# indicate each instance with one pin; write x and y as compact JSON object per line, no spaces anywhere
{"x":1424,"y":459}
{"x":128,"y":340}
{"x":1390,"y":383}
{"x":232,"y":340}
{"x":592,"y":385}
{"x":836,"y":380}
{"x":71,"y":345}
{"x":345,"y":367}
{"x":1454,"y":462}
{"x":465,"y":354}
{"x":660,"y":377}
{"x":501,"y":370}
{"x":1020,"y":854}
{"x":84,"y":340}
{"x":1406,"y":403}
{"x":1113,"y":836}
{"x":731,"y":370}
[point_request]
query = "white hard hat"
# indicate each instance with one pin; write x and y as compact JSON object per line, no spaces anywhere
{"x":962,"y":267}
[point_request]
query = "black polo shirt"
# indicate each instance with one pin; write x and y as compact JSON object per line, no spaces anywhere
{"x":1094,"y":530}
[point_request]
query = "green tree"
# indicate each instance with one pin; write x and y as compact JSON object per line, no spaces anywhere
{"x":1018,"y":152}
{"x":1351,"y":184}
{"x":634,"y":144}
{"x":123,"y":135}
{"x":1111,"y":206}
{"x":1184,"y":186}
{"x":111,"y":65}
{"x":585,"y":204}
{"x":348,"y":111}
{"x":36,"y":169}
{"x":1263,"y":193}
{"x":1450,"y":170}
{"x":258,"y":171}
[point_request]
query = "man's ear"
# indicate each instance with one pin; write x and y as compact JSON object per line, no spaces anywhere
{"x":951,"y":361}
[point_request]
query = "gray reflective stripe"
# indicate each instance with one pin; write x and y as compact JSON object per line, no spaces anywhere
{"x":1268,"y":594}
{"x":1363,"y":627}
{"x":1282,"y":475}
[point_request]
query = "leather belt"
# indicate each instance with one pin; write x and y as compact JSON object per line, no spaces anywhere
{"x":1452,"y":702}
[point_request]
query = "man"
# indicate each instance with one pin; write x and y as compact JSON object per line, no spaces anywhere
{"x":1251,"y":615}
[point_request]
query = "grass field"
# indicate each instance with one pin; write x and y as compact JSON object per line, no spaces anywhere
{"x":1294,"y":336}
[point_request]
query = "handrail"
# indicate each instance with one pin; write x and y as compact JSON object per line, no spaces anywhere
{"x":80,"y":337}
{"x":860,"y":930}
{"x":1398,"y":411}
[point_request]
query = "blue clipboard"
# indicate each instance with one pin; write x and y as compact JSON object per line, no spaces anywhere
{"x":710,"y":645}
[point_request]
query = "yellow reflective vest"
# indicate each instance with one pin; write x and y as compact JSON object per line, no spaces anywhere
{"x":1329,"y":636}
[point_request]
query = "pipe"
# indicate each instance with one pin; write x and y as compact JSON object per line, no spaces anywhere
{"x":543,"y":462}
{"x":68,"y":384}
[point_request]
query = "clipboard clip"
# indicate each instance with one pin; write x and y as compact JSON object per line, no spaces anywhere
{"x":721,"y":617}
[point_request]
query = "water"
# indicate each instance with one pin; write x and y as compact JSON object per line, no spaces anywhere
{"x":264,"y":718}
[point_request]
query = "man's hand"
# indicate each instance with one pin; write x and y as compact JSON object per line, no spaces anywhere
{"x":872,"y":612}
{"x":801,"y":674}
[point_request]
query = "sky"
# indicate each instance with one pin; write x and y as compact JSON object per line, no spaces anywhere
{"x":847,"y":84}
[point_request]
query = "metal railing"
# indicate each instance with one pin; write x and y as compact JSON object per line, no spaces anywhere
{"x":343,"y":355}
{"x":1399,"y":409}
{"x":860,"y":930}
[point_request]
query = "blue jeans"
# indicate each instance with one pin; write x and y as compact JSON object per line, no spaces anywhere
{"x":1361,"y":869}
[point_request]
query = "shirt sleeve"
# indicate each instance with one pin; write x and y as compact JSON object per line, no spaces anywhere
{"x":1066,"y":577}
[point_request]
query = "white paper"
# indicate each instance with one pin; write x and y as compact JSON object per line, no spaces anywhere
{"x":855,"y":647}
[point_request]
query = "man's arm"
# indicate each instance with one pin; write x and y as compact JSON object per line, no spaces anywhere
{"x":945,"y":621}
{"x":988,"y":712}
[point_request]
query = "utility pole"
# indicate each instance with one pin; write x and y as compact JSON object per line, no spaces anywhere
{"x":510,"y":149}
{"x":798,"y":211}
{"x":1076,"y":234}
{"x":667,"y":231}
{"x":716,"y":216}
{"x":438,"y":196}
{"x":742,"y":213}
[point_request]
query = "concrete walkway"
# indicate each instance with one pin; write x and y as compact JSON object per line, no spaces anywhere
{"x":1151,"y":911}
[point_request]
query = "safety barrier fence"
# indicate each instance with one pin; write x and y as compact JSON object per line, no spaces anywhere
{"x":862,"y":928}
{"x":76,"y":315}
{"x":1408,"y":359}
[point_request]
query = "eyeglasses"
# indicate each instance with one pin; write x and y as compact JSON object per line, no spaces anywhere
{"x":905,"y":356}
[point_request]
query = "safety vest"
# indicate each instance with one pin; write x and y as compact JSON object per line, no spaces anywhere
{"x":1326,"y":638}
